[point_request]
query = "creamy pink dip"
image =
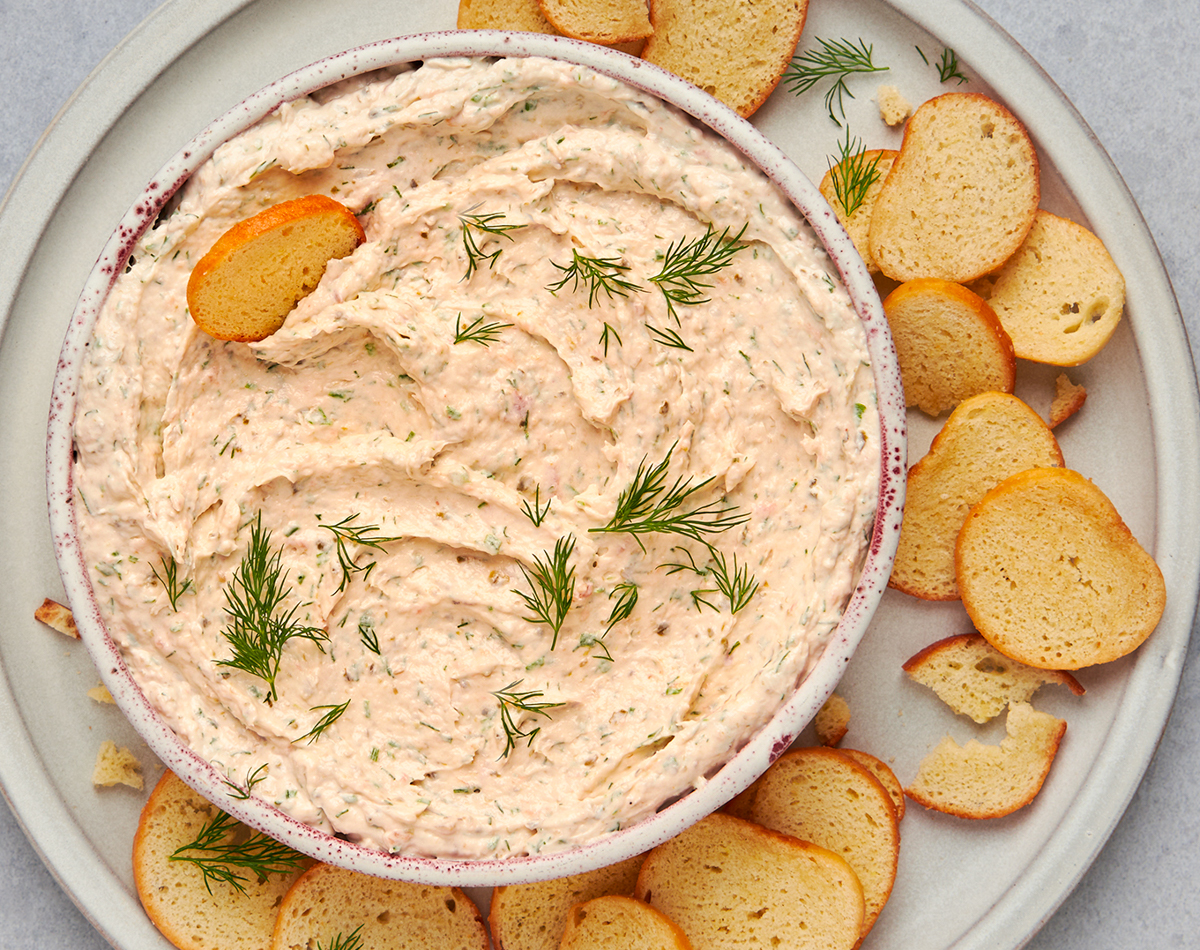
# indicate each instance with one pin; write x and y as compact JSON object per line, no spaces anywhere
{"x":364,"y":407}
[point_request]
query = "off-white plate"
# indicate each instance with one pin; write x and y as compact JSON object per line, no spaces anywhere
{"x":961,"y":885}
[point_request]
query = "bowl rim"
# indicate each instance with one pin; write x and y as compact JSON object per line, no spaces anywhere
{"x":763,"y":747}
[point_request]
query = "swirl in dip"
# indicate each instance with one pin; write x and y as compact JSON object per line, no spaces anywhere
{"x":475,"y":460}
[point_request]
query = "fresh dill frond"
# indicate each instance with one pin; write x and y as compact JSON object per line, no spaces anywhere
{"x":627,"y":598}
{"x":259,"y":627}
{"x":833,"y":59}
{"x":948,"y":67}
{"x":736,"y":583}
{"x":852,"y":174}
{"x":607,"y":332}
{"x":364,"y":535}
{"x":648,"y":505}
{"x":334,"y":714}
{"x":553,"y":587}
{"x":477,"y":331}
{"x":169,"y":579}
{"x":668,"y":337}
{"x":589,"y":640}
{"x":221,"y":857}
{"x":352,"y":941}
{"x":241,"y":794}
{"x":536,"y":513}
{"x":483,"y":224}
{"x":686,"y":262}
{"x":510,"y":700}
{"x":597,"y":274}
{"x":367,"y":634}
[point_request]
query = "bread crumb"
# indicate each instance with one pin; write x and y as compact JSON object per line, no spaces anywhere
{"x":101,"y":694}
{"x":893,"y":107}
{"x":832,"y":720}
{"x":116,"y":766}
{"x":1068,"y":400}
{"x":57,"y":617}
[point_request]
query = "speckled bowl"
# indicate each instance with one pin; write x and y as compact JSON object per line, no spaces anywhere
{"x":762,"y":748}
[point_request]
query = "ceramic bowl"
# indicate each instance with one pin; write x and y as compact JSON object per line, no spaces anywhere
{"x":761,"y":748}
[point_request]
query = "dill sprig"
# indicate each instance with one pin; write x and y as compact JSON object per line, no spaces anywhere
{"x":241,"y":794}
{"x":364,"y":535}
{"x":334,"y":714}
{"x":607,"y":332}
{"x":597,"y":273}
{"x":483,"y":224}
{"x":648,"y":505}
{"x":553,"y":587}
{"x":686,"y":262}
{"x":834,"y":59}
{"x":948,"y":66}
{"x":668,"y":337}
{"x":852,"y":174}
{"x":367,"y":634}
{"x":510,"y":700}
{"x":627,"y":598}
{"x":259,"y":628}
{"x":589,"y":640}
{"x":736,"y":583}
{"x":169,"y":579}
{"x":352,"y":941}
{"x":536,"y":513}
{"x":221,"y":857}
{"x":477,"y":331}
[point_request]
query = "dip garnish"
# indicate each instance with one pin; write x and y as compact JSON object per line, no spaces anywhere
{"x":687,"y":261}
{"x":364,"y":535}
{"x":738,"y":587}
{"x":647,"y":505}
{"x":627,"y":598}
{"x":484,"y":224}
{"x":169,"y":579}
{"x":509,"y":700}
{"x":598,"y":273}
{"x":219,"y":855}
{"x":834,"y":58}
{"x":241,"y":794}
{"x":256,"y":633}
{"x":353,"y":941}
{"x":668,"y":337}
{"x":948,"y":67}
{"x":852,"y":174}
{"x":553,"y":584}
{"x":537,"y":513}
{"x":477,"y":331}
{"x":334,"y":714}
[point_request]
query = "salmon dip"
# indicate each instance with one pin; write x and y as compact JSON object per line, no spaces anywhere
{"x":531,"y":513}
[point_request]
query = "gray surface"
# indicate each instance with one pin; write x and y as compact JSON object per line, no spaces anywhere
{"x":1129,"y":68}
